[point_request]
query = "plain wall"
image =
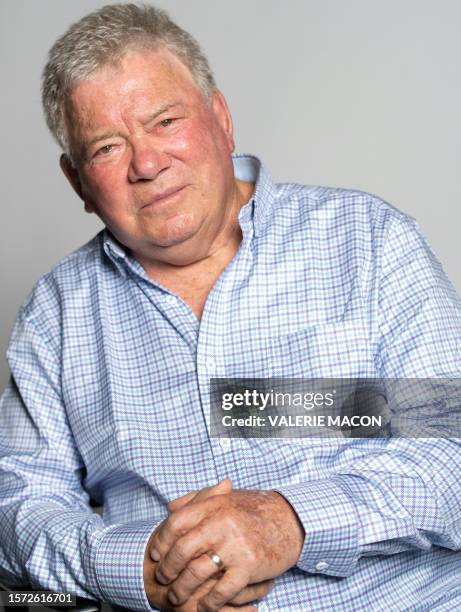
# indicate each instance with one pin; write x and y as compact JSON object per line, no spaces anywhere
{"x":358,"y":93}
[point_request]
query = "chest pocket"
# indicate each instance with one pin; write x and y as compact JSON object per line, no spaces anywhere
{"x":340,"y":349}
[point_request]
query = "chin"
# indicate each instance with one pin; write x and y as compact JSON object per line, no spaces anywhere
{"x":177,"y":230}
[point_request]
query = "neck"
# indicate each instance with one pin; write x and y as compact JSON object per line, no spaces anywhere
{"x":203,"y":252}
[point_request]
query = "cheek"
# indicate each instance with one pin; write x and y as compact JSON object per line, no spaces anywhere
{"x":196,"y":141}
{"x":104,"y":183}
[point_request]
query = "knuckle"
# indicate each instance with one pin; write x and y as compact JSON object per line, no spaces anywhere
{"x":173,"y":524}
{"x":231,"y":520}
{"x":176,"y":526}
{"x":214,"y":503}
{"x":251,"y":558}
{"x":168,"y":569}
{"x":178,"y":553}
{"x":196,"y":572}
{"x":162,"y":540}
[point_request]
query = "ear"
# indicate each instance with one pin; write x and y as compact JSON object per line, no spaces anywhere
{"x":221,"y":110}
{"x":71,"y":174}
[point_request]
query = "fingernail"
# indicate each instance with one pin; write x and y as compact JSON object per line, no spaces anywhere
{"x":155,"y":555}
{"x":172,"y":597}
{"x":160,"y":577}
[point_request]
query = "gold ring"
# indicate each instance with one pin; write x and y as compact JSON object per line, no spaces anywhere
{"x":216,"y":559}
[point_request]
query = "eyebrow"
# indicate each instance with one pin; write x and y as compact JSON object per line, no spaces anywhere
{"x":109,"y":134}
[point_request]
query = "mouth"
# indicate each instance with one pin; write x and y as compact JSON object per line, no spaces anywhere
{"x":164,"y":196}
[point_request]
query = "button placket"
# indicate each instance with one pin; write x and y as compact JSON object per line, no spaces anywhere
{"x":225,"y":443}
{"x":210,"y":365}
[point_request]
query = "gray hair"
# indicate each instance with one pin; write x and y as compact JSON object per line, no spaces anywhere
{"x":102,"y":38}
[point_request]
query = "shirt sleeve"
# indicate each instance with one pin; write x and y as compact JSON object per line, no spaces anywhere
{"x":49,"y":536}
{"x":403,"y":493}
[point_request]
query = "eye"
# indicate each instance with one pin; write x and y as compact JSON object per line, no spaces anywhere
{"x":105,"y":149}
{"x":166,"y":122}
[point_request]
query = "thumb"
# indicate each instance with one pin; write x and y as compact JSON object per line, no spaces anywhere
{"x":222,"y":488}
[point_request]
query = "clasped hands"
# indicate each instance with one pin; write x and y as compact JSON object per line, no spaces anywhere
{"x":257,"y":535}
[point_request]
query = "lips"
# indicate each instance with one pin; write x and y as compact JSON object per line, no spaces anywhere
{"x":164,"y":195}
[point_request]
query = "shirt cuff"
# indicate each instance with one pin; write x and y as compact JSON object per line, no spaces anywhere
{"x":329,"y":519}
{"x":120,"y":564}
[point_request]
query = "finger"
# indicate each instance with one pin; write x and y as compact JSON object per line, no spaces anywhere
{"x":252,"y":592}
{"x":195,"y":573}
{"x":197,"y":541}
{"x":202,"y":569}
{"x":172,"y":528}
{"x":191,"y":604}
{"x":179,"y":523}
{"x":223,"y":487}
{"x":233,"y":581}
{"x":175,"y":504}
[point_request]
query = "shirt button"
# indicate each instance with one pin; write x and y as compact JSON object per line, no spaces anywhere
{"x":225,"y":443}
{"x":210,"y":365}
{"x":262,"y":607}
{"x":321,"y":565}
{"x":171,"y":299}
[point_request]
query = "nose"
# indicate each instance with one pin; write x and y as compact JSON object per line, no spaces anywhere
{"x":147,"y":162}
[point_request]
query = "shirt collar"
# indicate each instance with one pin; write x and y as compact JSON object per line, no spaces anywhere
{"x":257,"y":211}
{"x":254,"y":215}
{"x":114,"y":251}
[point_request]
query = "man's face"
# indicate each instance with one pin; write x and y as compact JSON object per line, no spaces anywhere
{"x":153,"y":158}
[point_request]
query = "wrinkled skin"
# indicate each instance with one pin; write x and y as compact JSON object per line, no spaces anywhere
{"x":257,"y":534}
{"x":158,"y":594}
{"x":152,"y":158}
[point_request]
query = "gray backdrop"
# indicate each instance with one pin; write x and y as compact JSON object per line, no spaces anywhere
{"x":353,"y":93}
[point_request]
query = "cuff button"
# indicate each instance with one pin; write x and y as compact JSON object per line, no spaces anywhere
{"x":321,"y":565}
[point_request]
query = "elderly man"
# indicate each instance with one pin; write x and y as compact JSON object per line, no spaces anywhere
{"x":206,"y":268}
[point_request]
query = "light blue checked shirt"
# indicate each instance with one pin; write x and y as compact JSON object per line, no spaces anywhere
{"x":109,"y":398}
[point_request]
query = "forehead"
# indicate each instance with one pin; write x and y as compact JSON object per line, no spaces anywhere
{"x":138,"y":81}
